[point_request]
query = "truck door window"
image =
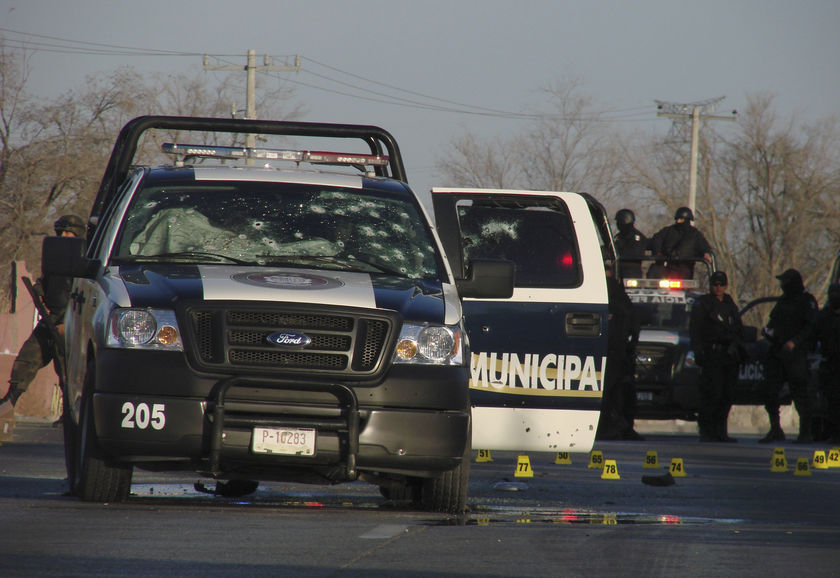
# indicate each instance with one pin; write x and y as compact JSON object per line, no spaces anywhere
{"x":539,"y":239}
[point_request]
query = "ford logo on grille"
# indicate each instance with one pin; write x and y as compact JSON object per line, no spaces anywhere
{"x":289,"y":339}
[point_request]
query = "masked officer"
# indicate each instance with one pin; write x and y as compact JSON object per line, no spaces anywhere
{"x":789,"y":330}
{"x":716,"y":339}
{"x":678,"y":242}
{"x":39,"y":349}
{"x":827,"y":335}
{"x":630,"y":244}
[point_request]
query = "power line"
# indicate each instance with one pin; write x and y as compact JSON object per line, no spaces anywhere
{"x":695,"y":112}
{"x":422,"y":101}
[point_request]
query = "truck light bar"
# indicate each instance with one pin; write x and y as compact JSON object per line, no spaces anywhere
{"x":661,"y":283}
{"x":314,"y":157}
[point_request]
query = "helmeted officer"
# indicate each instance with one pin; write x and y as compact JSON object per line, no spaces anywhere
{"x":790,"y":332}
{"x":716,"y":338}
{"x":678,"y":242}
{"x":39,"y":349}
{"x":630,"y":244}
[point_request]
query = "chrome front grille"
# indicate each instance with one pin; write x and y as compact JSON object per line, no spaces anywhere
{"x":231,"y":338}
{"x":653,"y":364}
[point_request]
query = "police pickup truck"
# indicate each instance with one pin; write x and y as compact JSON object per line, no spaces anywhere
{"x":666,"y":376}
{"x":264,"y":314}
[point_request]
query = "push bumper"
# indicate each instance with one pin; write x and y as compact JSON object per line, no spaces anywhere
{"x":216,"y":434}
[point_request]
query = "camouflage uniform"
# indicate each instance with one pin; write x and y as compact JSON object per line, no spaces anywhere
{"x":39,"y":349}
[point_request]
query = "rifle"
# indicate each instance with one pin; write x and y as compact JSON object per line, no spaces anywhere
{"x":58,"y":339}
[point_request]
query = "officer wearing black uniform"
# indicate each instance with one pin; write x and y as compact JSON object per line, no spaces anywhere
{"x":716,"y":339}
{"x":790,"y":331}
{"x":827,"y":335}
{"x":39,"y":349}
{"x":679,"y":241}
{"x":618,"y":405}
{"x":630,"y":244}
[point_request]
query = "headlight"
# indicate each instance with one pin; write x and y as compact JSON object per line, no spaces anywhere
{"x":689,"y":359}
{"x":430,"y":344}
{"x":144,"y":329}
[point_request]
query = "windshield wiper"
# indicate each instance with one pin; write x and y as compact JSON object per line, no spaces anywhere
{"x":197,"y":255}
{"x":344,"y":263}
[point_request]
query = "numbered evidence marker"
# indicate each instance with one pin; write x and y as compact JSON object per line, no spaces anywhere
{"x":483,"y":456}
{"x":564,"y":458}
{"x":610,"y":471}
{"x":523,"y":467}
{"x":802,"y":468}
{"x":778,"y":463}
{"x":677,"y":468}
{"x":834,"y":458}
{"x":818,"y":462}
{"x":651,"y":460}
{"x":596,"y":460}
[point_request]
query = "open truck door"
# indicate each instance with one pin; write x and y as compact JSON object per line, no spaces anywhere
{"x":538,"y":357}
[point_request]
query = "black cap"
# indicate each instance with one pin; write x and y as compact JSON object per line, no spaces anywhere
{"x":718,"y":277}
{"x":70,"y":223}
{"x":790,"y":275}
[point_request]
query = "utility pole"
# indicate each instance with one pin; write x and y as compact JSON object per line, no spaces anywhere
{"x":251,"y":85}
{"x":694,"y":111}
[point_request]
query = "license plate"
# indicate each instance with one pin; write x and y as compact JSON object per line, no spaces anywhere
{"x":644,"y":396}
{"x":285,"y":441}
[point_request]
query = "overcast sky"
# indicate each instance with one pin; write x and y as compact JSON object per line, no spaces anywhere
{"x":429,"y":70}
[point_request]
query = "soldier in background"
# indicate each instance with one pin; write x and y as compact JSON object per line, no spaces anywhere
{"x":678,"y":242}
{"x":790,"y":331}
{"x":827,"y":335}
{"x":630,"y":244}
{"x":40,"y":348}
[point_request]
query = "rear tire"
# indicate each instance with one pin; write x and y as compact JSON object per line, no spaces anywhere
{"x":410,"y":492}
{"x":95,"y":477}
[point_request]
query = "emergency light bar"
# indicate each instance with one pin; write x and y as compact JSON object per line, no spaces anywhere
{"x":661,"y":283}
{"x":314,"y":157}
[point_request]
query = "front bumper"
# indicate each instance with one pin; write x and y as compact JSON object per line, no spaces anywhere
{"x":214,"y":437}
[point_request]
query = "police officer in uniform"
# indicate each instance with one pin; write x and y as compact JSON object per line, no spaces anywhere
{"x":679,"y":241}
{"x":827,"y":334}
{"x":39,"y":349}
{"x":630,"y":244}
{"x":618,"y":404}
{"x":716,"y":339}
{"x":790,"y":331}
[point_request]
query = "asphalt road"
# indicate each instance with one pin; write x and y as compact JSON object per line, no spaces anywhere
{"x":729,"y":515}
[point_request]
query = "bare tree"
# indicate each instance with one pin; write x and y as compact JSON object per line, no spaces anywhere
{"x":784,"y":182}
{"x":569,"y":147}
{"x":53,"y":152}
{"x":766,"y":195}
{"x":472,"y":162}
{"x":566,"y":148}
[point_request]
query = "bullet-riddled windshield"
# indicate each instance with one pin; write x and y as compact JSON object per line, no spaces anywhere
{"x":278,"y":224}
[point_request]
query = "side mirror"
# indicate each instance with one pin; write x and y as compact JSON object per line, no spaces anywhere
{"x":487,"y":279}
{"x":65,"y":256}
{"x":749,"y":334}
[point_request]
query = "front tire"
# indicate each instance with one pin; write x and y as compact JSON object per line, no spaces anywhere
{"x":95,"y":477}
{"x":447,"y":494}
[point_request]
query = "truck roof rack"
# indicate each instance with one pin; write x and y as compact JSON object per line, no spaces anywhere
{"x":380,"y":142}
